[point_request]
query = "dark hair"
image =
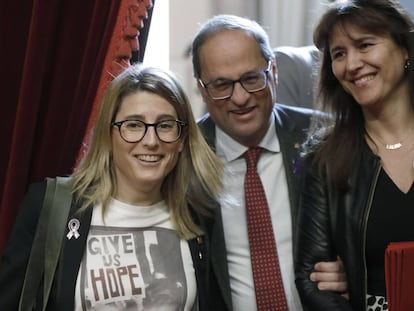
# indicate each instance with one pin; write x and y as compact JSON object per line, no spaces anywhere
{"x":348,"y":130}
{"x":229,"y":22}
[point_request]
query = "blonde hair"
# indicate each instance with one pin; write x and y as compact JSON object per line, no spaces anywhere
{"x":196,"y":180}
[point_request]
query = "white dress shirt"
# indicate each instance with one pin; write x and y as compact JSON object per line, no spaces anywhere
{"x":272,"y":173}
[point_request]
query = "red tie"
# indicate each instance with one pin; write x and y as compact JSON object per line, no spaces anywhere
{"x":268,"y":283}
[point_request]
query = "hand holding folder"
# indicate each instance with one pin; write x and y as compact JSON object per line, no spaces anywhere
{"x":399,"y":276}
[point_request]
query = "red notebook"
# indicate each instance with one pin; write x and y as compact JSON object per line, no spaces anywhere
{"x":399,"y":276}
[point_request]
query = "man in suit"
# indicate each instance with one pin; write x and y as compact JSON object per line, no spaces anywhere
{"x":236,"y":73}
{"x":297,"y":70}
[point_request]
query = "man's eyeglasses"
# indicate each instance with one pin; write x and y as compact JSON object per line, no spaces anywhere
{"x":251,"y":82}
{"x":133,"y":131}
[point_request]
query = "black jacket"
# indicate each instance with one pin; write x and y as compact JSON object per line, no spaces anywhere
{"x":291,"y":128}
{"x":17,"y":251}
{"x":331,"y":223}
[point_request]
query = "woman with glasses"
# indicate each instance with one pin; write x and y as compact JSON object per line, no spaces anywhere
{"x":135,"y":239}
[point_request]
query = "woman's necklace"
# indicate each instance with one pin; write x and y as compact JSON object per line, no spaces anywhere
{"x":395,"y":146}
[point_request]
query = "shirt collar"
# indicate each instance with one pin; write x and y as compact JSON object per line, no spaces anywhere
{"x":229,"y":149}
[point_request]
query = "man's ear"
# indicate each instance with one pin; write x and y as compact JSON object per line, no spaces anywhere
{"x":202,"y":91}
{"x":274,"y":72}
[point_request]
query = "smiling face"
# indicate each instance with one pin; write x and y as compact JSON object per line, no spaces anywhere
{"x":231,"y":54}
{"x":369,"y":66}
{"x":142,"y":167}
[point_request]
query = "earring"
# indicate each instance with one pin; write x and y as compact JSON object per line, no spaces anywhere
{"x":407,"y":65}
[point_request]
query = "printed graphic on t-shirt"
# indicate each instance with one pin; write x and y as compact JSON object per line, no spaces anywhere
{"x":132,"y":269}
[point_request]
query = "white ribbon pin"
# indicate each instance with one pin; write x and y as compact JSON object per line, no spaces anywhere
{"x":73,"y":226}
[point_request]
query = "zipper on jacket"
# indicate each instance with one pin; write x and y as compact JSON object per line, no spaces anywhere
{"x":365,"y":227}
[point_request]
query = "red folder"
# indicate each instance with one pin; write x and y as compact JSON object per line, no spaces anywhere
{"x":399,"y":276}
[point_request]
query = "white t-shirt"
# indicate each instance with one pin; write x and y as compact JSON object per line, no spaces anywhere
{"x":135,"y":261}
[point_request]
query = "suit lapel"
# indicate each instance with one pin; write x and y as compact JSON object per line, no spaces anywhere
{"x":70,"y":261}
{"x":218,"y":253}
{"x":218,"y":256}
{"x":291,"y":134}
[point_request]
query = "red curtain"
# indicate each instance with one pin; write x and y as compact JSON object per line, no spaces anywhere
{"x":52,"y":55}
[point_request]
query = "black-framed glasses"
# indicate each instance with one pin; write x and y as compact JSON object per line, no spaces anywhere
{"x":251,"y":82}
{"x":133,"y":131}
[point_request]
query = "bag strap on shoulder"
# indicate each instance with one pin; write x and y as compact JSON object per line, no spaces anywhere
{"x":47,"y":242}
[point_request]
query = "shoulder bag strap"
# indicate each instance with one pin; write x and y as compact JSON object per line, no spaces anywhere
{"x":47,"y":243}
{"x":56,"y":232}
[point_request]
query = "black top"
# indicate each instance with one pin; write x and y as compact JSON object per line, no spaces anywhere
{"x":390,"y":220}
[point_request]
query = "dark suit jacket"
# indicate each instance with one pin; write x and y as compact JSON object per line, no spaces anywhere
{"x":17,"y":251}
{"x":292,"y":124}
{"x":297,"y":69}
